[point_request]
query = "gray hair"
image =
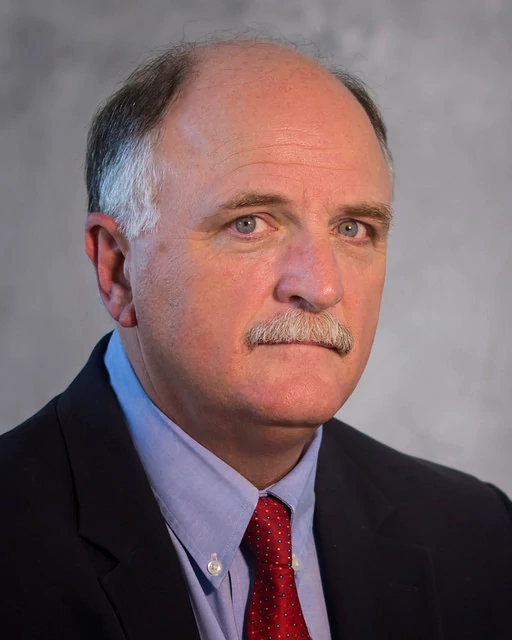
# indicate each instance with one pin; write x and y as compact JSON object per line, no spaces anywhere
{"x":296,"y":325}
{"x":123,"y":176}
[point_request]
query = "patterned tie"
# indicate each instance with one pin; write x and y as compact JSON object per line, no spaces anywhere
{"x":274,"y":607}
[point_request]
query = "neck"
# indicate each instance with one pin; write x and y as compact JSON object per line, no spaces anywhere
{"x":262,"y":453}
{"x":263,"y":463}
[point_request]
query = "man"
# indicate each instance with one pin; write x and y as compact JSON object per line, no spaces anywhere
{"x":240,"y":200}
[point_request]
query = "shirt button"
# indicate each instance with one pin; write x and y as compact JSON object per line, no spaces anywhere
{"x":295,"y":563}
{"x":214,"y":566}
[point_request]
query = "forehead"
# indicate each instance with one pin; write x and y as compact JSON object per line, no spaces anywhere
{"x":253,"y":106}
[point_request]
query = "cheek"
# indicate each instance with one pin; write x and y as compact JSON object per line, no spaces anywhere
{"x":361,"y":303}
{"x":159,"y":290}
{"x":211,"y":301}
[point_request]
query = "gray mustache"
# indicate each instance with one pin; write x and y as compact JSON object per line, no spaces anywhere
{"x":299,"y":326}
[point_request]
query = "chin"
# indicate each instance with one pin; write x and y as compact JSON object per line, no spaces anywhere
{"x":306,"y":404}
{"x":303,"y":391}
{"x":293,"y":416}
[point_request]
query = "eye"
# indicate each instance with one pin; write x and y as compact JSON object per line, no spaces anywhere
{"x":351,"y":228}
{"x":247,"y":224}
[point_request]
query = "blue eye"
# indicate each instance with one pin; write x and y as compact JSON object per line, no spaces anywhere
{"x":246,"y":225}
{"x":349,"y":228}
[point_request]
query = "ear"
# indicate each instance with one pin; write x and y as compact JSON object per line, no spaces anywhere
{"x":107,"y":249}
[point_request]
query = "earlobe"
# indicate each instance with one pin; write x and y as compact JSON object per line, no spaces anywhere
{"x":107,"y":249}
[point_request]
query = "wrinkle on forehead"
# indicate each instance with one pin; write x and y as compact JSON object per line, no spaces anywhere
{"x":281,"y":138}
{"x":285,"y":141}
{"x":231,"y":127}
{"x":319,"y":156}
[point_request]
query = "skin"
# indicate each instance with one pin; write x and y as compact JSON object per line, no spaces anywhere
{"x":258,"y":119}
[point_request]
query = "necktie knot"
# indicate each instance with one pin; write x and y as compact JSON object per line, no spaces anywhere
{"x":269,"y":533}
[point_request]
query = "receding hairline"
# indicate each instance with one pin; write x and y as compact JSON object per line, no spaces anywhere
{"x":204,"y":66}
{"x":205,"y":55}
{"x":200,"y":50}
{"x":195,"y":60}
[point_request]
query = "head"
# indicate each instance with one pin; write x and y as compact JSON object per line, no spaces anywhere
{"x":240,"y":198}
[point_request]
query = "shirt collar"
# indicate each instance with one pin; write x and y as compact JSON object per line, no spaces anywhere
{"x":205,"y":502}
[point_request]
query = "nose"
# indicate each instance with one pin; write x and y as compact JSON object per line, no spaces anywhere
{"x":310,"y":275}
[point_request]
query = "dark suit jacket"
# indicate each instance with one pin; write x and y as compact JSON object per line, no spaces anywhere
{"x":407,"y":549}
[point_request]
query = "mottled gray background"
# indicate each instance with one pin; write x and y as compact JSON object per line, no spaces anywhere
{"x":438,"y":383}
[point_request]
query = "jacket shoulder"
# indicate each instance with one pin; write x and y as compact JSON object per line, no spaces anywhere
{"x":405,"y":478}
{"x":34,"y":469}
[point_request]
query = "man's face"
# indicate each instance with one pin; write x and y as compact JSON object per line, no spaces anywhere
{"x":274,"y":176}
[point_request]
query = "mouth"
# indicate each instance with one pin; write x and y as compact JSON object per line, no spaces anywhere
{"x":301,"y":343}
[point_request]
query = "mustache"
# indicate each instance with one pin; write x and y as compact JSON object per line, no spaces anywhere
{"x":299,"y":326}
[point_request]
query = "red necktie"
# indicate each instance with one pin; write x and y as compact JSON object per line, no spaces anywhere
{"x":274,"y":607}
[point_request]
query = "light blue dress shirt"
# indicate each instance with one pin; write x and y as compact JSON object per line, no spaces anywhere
{"x":207,"y":506}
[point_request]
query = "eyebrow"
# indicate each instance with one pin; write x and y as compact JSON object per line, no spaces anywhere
{"x":254,"y":199}
{"x":378,"y":211}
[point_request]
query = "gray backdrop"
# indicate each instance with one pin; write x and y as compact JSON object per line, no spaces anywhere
{"x":438,"y":382}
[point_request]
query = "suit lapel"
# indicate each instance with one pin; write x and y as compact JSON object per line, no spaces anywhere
{"x":118,"y":515}
{"x":148,"y":594}
{"x":375,"y":587}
